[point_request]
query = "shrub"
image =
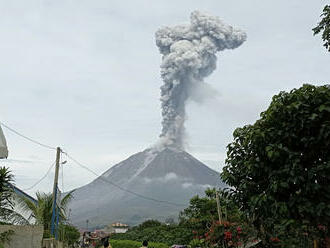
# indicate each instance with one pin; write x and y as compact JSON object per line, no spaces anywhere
{"x":134,"y":244}
{"x":167,"y":234}
{"x":279,"y":167}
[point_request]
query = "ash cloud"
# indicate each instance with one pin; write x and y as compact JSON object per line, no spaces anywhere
{"x":189,"y":55}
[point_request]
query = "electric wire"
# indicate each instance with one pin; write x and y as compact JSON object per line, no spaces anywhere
{"x":122,"y":188}
{"x":27,"y":138}
{"x":86,"y":168}
{"x":42,"y":178}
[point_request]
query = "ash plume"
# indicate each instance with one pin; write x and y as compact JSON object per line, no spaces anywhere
{"x":189,"y":55}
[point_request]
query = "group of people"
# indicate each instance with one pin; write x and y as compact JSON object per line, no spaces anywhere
{"x":106,"y":244}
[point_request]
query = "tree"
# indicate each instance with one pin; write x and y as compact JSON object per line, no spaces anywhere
{"x":41,"y":212}
{"x":7,"y":213}
{"x":201,"y":217}
{"x":324,"y":27}
{"x":201,"y":213}
{"x":279,"y":167}
{"x":155,"y":231}
{"x":69,"y":234}
{"x":6,"y":202}
{"x":150,"y":223}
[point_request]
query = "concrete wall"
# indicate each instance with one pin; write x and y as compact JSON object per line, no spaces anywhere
{"x":24,"y":236}
{"x":52,"y":243}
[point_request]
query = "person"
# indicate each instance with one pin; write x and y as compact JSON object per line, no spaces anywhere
{"x":106,"y":244}
{"x":145,"y":244}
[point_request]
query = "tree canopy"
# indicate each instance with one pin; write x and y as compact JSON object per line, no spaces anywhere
{"x":41,"y":212}
{"x":324,"y":27}
{"x":6,"y":203}
{"x":69,"y":234}
{"x":155,"y":231}
{"x":201,"y":216}
{"x":279,"y":167}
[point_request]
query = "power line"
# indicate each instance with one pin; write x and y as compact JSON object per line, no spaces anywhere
{"x":44,"y":176}
{"x":27,"y":138}
{"x":86,"y":168}
{"x":122,"y":188}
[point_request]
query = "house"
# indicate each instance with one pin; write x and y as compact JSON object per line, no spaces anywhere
{"x":20,"y":193}
{"x":116,"y":227}
{"x":119,"y":227}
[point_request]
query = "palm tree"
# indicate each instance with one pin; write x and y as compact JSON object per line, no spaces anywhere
{"x":7,"y":213}
{"x":41,"y":212}
{"x":5,"y":191}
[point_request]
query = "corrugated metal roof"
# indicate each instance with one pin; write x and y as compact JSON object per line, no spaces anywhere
{"x":22,"y":193}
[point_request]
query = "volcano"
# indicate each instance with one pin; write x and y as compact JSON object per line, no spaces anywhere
{"x":155,"y":183}
{"x":171,"y":176}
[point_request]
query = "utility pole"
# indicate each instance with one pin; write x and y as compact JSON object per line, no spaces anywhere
{"x":58,"y":154}
{"x":218,"y":206}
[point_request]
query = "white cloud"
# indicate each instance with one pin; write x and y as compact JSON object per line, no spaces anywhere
{"x":168,"y":177}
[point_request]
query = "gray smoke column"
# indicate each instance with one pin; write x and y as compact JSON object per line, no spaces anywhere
{"x":189,"y":55}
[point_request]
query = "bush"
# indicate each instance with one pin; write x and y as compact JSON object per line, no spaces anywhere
{"x":134,"y":244}
{"x":279,"y":167}
{"x":155,"y":231}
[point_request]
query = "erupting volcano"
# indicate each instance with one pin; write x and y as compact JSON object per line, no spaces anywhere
{"x":164,"y":172}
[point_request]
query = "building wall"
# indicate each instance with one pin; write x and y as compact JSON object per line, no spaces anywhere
{"x":24,"y":236}
{"x":120,"y":230}
{"x":52,"y":243}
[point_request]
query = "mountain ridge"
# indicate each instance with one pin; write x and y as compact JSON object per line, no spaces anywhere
{"x":169,"y":175}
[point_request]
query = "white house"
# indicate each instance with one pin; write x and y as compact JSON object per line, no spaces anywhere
{"x":117,"y":228}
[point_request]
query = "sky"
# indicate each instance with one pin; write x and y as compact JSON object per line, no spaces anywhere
{"x":84,"y":75}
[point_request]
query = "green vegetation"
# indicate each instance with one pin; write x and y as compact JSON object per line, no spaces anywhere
{"x":202,"y":218}
{"x":324,"y":27}
{"x":198,"y":225}
{"x":68,"y":234}
{"x":279,"y":167}
{"x":134,"y":244}
{"x":155,"y":231}
{"x":5,"y":237}
{"x":6,"y":202}
{"x":7,"y":214}
{"x":42,"y":211}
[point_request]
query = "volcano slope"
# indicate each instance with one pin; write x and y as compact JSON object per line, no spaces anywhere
{"x":169,"y":175}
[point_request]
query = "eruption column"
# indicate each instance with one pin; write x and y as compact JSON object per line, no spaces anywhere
{"x":188,"y":57}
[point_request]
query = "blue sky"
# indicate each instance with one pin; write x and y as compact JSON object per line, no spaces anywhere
{"x":84,"y":75}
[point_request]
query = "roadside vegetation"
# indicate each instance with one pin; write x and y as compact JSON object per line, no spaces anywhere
{"x":134,"y":244}
{"x":40,"y":212}
{"x":155,"y":231}
{"x":279,"y":168}
{"x":198,"y":225}
{"x":278,"y":171}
